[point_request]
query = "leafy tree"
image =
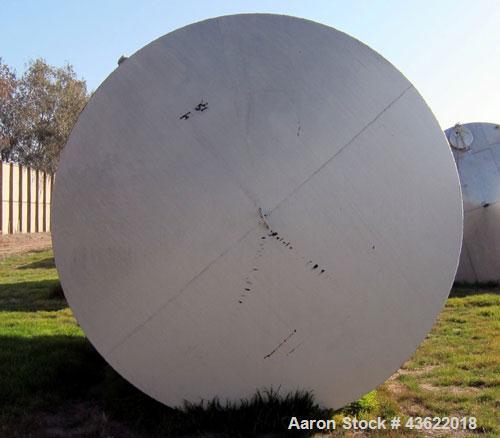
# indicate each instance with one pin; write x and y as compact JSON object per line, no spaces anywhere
{"x":8,"y":84}
{"x":38,"y":111}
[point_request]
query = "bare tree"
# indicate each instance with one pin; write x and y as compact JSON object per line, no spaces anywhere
{"x":38,"y":111}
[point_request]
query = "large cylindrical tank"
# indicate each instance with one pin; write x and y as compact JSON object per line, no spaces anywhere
{"x":256,"y":201}
{"x":476,"y":148}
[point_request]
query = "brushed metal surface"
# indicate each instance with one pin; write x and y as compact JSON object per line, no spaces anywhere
{"x":479,"y":170}
{"x":255,"y":201}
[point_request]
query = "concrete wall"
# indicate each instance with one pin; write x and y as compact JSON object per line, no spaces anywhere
{"x":25,"y":196}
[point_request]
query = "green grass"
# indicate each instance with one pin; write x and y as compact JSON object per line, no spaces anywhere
{"x":52,"y":381}
{"x":456,"y":371}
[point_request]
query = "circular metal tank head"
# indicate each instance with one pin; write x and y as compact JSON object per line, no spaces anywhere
{"x":256,"y":201}
{"x":479,"y":170}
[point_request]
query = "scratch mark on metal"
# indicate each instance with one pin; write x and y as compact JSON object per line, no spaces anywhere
{"x":181,"y":290}
{"x":284,"y":341}
{"x":294,"y":348}
{"x":263,"y":217}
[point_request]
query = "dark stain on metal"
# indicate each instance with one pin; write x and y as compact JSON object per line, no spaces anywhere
{"x":202,"y":106}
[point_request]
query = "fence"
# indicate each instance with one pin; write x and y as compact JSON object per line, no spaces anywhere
{"x":25,"y":196}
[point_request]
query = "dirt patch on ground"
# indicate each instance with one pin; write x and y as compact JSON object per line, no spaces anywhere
{"x":398,"y":388}
{"x":455,"y":390}
{"x":395,"y":388}
{"x":14,"y":244}
{"x":412,"y":372}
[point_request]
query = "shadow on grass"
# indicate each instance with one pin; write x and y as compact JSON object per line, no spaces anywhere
{"x":42,"y":370}
{"x":31,"y":296}
{"x":47,"y":263}
{"x":47,"y":373}
{"x":265,"y":412}
{"x":461,"y":290}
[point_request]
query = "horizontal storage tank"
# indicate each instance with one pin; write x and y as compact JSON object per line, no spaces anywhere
{"x":476,"y":148}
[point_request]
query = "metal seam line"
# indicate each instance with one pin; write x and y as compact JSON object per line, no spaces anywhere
{"x":341,"y":149}
{"x":464,"y":246}
{"x":163,"y":306}
{"x":182,"y":289}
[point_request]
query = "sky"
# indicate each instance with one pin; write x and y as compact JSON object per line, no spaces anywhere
{"x":450,"y":50}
